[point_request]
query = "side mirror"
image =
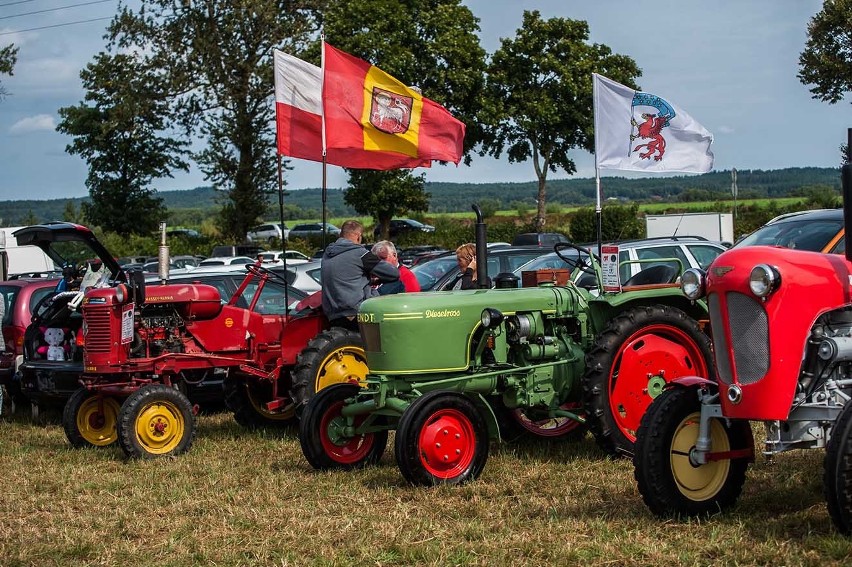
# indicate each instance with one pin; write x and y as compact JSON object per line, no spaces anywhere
{"x":136,"y":283}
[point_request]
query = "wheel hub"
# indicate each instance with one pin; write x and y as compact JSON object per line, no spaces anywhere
{"x":444,"y":442}
{"x":656,"y":384}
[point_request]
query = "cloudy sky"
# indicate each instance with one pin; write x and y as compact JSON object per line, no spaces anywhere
{"x":731,"y":64}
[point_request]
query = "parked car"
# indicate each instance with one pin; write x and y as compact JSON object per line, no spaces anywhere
{"x":276,"y":257}
{"x":226,"y":261}
{"x":304,"y":277}
{"x":182,"y":233}
{"x":443,"y":273}
{"x":268,"y":232}
{"x":20,"y":297}
{"x":401,"y":226}
{"x":314,"y":229}
{"x":540,"y":239}
{"x":416,"y":254}
{"x":250,"y":250}
{"x":817,"y":231}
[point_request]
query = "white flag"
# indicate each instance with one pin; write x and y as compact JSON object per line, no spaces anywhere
{"x":640,"y":131}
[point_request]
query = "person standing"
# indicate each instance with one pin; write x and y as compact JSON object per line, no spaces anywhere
{"x":466,"y":257}
{"x":347,"y":270}
{"x":407,"y":283}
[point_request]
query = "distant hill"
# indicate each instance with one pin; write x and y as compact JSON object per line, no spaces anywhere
{"x":454,"y":197}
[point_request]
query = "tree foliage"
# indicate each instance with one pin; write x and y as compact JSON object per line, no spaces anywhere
{"x":8,"y":58}
{"x":826,"y":62}
{"x":539,"y":95}
{"x":618,"y":222}
{"x":117,"y":130}
{"x":384,"y":197}
{"x":219,"y":57}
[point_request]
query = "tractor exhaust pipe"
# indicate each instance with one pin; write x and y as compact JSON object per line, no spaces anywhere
{"x":846,"y":181}
{"x":163,"y":256}
{"x":481,"y":249}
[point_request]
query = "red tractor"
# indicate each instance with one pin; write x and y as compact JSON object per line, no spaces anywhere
{"x":140,"y":348}
{"x":781,"y":323}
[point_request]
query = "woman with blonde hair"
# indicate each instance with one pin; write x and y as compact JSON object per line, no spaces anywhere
{"x":466,"y":257}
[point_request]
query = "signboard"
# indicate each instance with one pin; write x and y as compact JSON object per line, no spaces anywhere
{"x":127,"y":324}
{"x":609,"y":268}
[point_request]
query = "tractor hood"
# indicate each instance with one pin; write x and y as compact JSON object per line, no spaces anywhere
{"x":431,"y":332}
{"x":53,"y":236}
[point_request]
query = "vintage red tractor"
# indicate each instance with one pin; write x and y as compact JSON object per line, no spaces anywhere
{"x":781,"y":323}
{"x":136,"y":349}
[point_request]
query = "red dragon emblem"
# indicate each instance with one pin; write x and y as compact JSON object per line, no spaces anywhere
{"x":651,"y":130}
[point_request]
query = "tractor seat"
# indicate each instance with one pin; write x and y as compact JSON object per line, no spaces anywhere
{"x":656,"y":274}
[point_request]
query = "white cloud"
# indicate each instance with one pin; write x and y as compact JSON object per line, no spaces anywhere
{"x":725,"y":130}
{"x":37,"y":123}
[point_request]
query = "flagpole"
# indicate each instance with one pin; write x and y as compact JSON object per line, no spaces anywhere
{"x":324,"y":163}
{"x":598,"y":216}
{"x":283,"y":240}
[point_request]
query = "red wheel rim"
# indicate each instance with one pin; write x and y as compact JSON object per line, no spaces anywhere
{"x":656,"y":351}
{"x":550,"y":426}
{"x":447,"y":443}
{"x":344,"y":450}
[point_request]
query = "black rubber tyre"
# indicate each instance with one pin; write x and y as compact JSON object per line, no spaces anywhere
{"x":324,"y":452}
{"x":90,"y":420}
{"x":623,"y":370}
{"x":247,"y":397}
{"x":837,"y":472}
{"x":670,"y":485}
{"x":335,"y":356}
{"x":156,"y":421}
{"x":442,"y":438}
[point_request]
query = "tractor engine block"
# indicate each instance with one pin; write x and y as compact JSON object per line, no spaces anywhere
{"x":159,"y":331}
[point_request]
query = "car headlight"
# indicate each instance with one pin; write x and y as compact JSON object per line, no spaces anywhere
{"x":490,"y":317}
{"x":692,"y":283}
{"x":764,"y":279}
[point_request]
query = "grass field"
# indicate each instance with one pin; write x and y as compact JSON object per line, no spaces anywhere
{"x":249,"y":498}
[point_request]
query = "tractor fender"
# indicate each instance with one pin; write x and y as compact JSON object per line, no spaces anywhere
{"x":487,"y":414}
{"x":690,"y":381}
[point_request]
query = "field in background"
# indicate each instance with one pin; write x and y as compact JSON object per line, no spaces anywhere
{"x":250,"y":498}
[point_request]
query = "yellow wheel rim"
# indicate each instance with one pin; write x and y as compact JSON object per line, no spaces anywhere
{"x":97,"y":419}
{"x":160,"y":427}
{"x":343,"y":365}
{"x":258,"y":401}
{"x":705,"y":481}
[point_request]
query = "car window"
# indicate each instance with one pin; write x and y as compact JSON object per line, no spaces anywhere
{"x":840,"y":247}
{"x":315,"y":274}
{"x":703,"y":254}
{"x":515,"y":261}
{"x":624,"y":270}
{"x":37,"y":296}
{"x":10,"y":294}
{"x":239,"y":261}
{"x":673,"y":251}
{"x":212,"y":263}
{"x":803,"y":234}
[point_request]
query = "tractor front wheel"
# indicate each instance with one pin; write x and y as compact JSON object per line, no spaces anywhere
{"x":90,"y":419}
{"x":837,"y":472}
{"x":671,"y":483}
{"x":156,"y":421}
{"x":630,"y":363}
{"x":335,"y":356}
{"x":247,"y":399}
{"x":321,"y":433}
{"x":442,"y":438}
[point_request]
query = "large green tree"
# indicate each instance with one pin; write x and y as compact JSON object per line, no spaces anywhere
{"x":539,"y":95}
{"x":431,"y":44}
{"x":219,"y":57}
{"x":118,"y":131}
{"x":8,"y":58}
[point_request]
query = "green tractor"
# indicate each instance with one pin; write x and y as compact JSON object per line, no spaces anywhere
{"x":449,"y":370}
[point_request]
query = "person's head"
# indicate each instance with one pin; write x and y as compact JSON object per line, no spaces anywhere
{"x":352,"y":230}
{"x":465,"y":254}
{"x":386,"y":250}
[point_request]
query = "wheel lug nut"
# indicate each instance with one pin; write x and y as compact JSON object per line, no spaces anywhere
{"x":437,"y":445}
{"x":458,"y":451}
{"x":446,"y":457}
{"x":458,"y":435}
{"x":446,"y":432}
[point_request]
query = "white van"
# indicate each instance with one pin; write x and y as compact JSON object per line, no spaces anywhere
{"x":22,"y":260}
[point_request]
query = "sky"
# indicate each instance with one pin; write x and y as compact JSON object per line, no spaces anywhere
{"x":731,"y":64}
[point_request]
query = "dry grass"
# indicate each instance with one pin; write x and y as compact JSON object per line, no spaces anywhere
{"x":249,"y":498}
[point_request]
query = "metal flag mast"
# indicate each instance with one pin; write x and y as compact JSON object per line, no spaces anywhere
{"x":324,"y":162}
{"x":597,"y":169}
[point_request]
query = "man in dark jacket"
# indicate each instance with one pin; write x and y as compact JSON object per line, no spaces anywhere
{"x":347,"y":268}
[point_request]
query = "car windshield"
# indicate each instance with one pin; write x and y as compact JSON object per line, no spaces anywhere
{"x":428,"y":273}
{"x":800,"y":234}
{"x":414,"y":223}
{"x":10,"y":294}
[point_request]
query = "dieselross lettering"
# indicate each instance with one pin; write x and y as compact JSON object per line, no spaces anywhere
{"x":443,"y":313}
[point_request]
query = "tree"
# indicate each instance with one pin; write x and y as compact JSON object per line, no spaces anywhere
{"x":8,"y":58}
{"x":618,"y":222}
{"x":539,"y":95}
{"x":219,"y":56}
{"x":383,"y":196}
{"x":70,"y":214}
{"x":431,"y":44}
{"x":826,"y":62}
{"x":117,"y":131}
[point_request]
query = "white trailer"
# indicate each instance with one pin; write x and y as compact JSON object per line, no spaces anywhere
{"x":22,"y":260}
{"x":712,"y":226}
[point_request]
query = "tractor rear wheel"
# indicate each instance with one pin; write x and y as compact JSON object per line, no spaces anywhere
{"x":156,"y":421}
{"x":837,"y":472}
{"x":442,"y":438}
{"x":631,"y":361}
{"x":670,"y":483}
{"x":516,"y":424}
{"x":323,"y":442}
{"x":90,"y":419}
{"x":247,"y":399}
{"x":335,"y":356}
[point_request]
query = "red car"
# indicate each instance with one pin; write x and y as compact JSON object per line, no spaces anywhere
{"x":20,"y":297}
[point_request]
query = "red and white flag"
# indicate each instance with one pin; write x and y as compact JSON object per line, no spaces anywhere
{"x":641,"y":131}
{"x":298,"y":107}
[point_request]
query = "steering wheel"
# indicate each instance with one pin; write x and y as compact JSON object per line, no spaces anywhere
{"x":575,"y":263}
{"x":261,"y":271}
{"x":49,"y":308}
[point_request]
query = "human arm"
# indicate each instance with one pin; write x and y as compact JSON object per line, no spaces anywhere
{"x":375,"y":266}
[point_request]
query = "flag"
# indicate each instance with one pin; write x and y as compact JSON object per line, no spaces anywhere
{"x":298,"y":118}
{"x":641,"y":131}
{"x":368,"y":113}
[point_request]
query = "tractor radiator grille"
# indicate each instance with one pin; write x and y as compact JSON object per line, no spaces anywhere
{"x":750,"y":335}
{"x":97,"y":330}
{"x":720,"y":343}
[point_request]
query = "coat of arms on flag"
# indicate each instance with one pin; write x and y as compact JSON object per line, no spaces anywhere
{"x":390,"y":112}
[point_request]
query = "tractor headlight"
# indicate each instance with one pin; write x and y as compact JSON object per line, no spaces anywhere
{"x":490,"y":318}
{"x":764,"y":279}
{"x":692,"y":283}
{"x":120,"y":293}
